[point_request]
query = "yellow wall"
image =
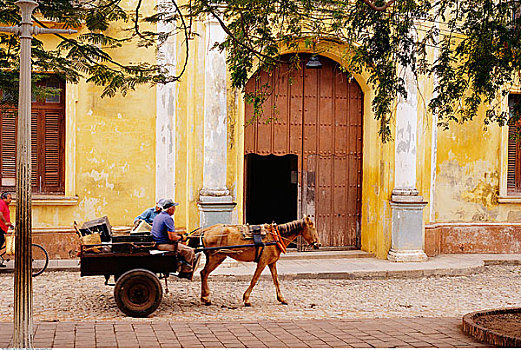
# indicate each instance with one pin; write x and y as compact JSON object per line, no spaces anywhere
{"x":113,"y":142}
{"x":110,"y":151}
{"x":110,"y":154}
{"x":190,"y":132}
{"x":468,"y":174}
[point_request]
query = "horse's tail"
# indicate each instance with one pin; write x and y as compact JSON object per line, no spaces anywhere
{"x":195,"y":238}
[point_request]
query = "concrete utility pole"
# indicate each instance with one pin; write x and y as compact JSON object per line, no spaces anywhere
{"x":23,"y":288}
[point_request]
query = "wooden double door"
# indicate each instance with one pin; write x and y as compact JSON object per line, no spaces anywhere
{"x":315,"y":115}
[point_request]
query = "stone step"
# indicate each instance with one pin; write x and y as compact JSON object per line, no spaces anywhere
{"x":326,"y":254}
{"x":307,"y":255}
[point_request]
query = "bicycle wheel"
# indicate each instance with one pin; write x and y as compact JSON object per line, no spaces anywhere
{"x":40,"y":259}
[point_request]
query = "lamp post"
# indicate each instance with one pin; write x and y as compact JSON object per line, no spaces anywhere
{"x":23,"y":315}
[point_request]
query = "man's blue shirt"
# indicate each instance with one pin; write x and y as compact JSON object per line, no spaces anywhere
{"x":148,"y":215}
{"x":162,"y":224}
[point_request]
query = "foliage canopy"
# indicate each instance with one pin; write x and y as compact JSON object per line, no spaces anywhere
{"x":470,"y":47}
{"x":85,"y":55}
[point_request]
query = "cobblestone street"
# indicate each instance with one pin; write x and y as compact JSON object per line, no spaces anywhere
{"x":65,"y":296}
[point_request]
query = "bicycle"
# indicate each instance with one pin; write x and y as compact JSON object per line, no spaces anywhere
{"x":40,"y":258}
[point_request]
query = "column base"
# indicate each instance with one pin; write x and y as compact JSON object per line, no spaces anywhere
{"x":407,"y":228}
{"x":406,"y":255}
{"x":215,"y":210}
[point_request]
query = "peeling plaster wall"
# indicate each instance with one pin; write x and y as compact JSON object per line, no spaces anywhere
{"x":190,"y":132}
{"x":110,"y":151}
{"x":115,"y":157}
{"x":469,"y":217}
{"x":167,"y":96}
{"x":111,"y":148}
{"x":468,"y":173}
{"x":111,"y":155}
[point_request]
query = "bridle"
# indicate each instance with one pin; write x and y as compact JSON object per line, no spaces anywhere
{"x":315,"y":244}
{"x":282,"y":242}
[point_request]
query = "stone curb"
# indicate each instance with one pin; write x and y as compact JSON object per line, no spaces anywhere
{"x":513,"y":262}
{"x":472,"y":268}
{"x":366,"y":274}
{"x":355,"y":275}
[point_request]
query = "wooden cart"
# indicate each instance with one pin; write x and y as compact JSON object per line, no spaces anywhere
{"x":135,"y":267}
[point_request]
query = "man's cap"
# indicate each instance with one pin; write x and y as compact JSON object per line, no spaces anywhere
{"x":160,"y":203}
{"x":168,"y":203}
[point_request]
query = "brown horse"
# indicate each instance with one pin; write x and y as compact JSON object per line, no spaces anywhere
{"x":232,"y":235}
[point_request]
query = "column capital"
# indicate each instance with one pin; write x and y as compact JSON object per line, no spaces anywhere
{"x":211,"y":19}
{"x":405,"y":192}
{"x":208,"y":192}
{"x":406,"y":195}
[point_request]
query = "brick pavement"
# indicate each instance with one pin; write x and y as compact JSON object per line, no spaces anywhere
{"x":319,"y":333}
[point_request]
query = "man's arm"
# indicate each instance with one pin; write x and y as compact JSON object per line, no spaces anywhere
{"x":174,"y":236}
{"x":7,"y":223}
{"x":143,"y":216}
{"x":170,"y":229}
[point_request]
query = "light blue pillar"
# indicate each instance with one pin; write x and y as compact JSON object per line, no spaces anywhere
{"x":406,"y":202}
{"x":216,"y":210}
{"x":215,"y":201}
{"x":407,"y":229}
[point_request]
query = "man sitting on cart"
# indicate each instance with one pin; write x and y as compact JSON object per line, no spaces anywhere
{"x":166,"y":237}
{"x":149,"y":215}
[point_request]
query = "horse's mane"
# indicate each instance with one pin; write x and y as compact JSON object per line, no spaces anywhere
{"x":291,"y":227}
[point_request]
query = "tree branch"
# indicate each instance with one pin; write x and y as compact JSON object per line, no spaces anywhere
{"x":187,"y":48}
{"x":379,"y":8}
{"x":230,"y":34}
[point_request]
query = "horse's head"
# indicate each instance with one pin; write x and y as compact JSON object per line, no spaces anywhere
{"x":310,"y":233}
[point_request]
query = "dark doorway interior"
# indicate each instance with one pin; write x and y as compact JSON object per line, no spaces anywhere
{"x":271,"y":188}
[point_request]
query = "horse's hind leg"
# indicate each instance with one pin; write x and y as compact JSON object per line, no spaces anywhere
{"x":212,"y":262}
{"x":255,"y":278}
{"x":274,"y":275}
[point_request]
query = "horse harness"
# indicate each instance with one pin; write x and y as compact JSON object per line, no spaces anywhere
{"x":258,"y":231}
{"x":255,"y":232}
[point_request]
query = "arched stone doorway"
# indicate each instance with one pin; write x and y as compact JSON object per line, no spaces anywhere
{"x":315,"y":115}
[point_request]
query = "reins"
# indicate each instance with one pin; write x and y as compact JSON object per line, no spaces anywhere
{"x":278,"y":238}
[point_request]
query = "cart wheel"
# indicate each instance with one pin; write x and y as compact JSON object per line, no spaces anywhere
{"x":138,"y":293}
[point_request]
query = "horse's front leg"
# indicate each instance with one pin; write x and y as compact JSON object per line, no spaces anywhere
{"x":274,"y":275}
{"x":212,"y":262}
{"x":246,"y":297}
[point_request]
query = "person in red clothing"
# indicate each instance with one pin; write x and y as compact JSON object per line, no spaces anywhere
{"x":5,"y":218}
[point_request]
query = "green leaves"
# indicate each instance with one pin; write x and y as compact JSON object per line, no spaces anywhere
{"x":477,"y":61}
{"x":470,"y":47}
{"x":87,"y":54}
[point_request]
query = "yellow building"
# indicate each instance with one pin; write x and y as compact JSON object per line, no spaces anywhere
{"x":428,"y":192}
